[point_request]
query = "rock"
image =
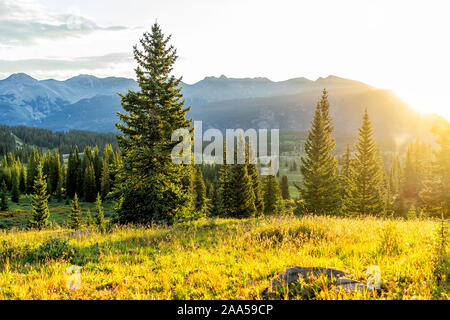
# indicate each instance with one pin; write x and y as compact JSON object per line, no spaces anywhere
{"x":291,"y":276}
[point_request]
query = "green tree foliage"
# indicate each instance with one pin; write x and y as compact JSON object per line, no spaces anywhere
{"x":284,"y":185}
{"x":365,"y":196}
{"x":214,"y":206}
{"x":75,"y":215}
{"x":32,"y":169}
{"x":15,"y":192}
{"x":199,"y":191}
{"x":72,"y":172}
{"x":253,"y":173}
{"x":243,"y":197}
{"x":225,"y":188}
{"x":4,"y":197}
{"x":99,"y":217}
{"x":150,"y":187}
{"x":90,"y":188}
{"x":39,"y":202}
{"x":273,"y":201}
{"x":319,"y":167}
{"x":89,"y":220}
{"x":105,"y":183}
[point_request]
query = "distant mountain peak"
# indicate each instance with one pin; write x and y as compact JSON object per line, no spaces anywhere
{"x":21,"y":78}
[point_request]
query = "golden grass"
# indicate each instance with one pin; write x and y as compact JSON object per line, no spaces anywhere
{"x":224,"y":258}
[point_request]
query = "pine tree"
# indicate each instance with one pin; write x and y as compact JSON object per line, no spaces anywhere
{"x":32,"y":169}
{"x":365,"y":197}
{"x":22,"y":180}
{"x":225,"y":189}
{"x":105,"y":184}
{"x":75,"y":215}
{"x":346,"y":176}
{"x":199,"y":191}
{"x":4,"y":197}
{"x":253,"y":173}
{"x":214,"y":208}
{"x":319,"y":167}
{"x":273,"y":201}
{"x":89,"y":220}
{"x":243,"y":197}
{"x":59,"y":190}
{"x":39,"y":202}
{"x":284,"y":185}
{"x":72,"y":169}
{"x":395,"y":175}
{"x":149,"y":186}
{"x":15,"y":192}
{"x":90,"y":188}
{"x":99,"y":217}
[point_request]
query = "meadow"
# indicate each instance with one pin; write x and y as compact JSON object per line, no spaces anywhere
{"x":224,"y":258}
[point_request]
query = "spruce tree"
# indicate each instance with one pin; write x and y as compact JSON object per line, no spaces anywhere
{"x":225,"y":189}
{"x":89,"y":220}
{"x":32,"y":168}
{"x":105,"y":184}
{"x":199,"y":191}
{"x":243,"y":197}
{"x":15,"y":192}
{"x":72,"y":169}
{"x":22,"y":180}
{"x":273,"y":201}
{"x":253,"y":173}
{"x":75,"y":215}
{"x":149,"y":184}
{"x":395,"y":174}
{"x":99,"y":217}
{"x":284,"y":185}
{"x":39,"y":202}
{"x":320,"y":191}
{"x":90,"y":188}
{"x":4,"y":197}
{"x":214,"y":207}
{"x":365,"y":197}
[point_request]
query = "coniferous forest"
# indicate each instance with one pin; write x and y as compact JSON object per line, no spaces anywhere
{"x":117,"y":206}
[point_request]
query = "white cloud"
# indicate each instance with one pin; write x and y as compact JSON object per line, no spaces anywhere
{"x":25,"y":23}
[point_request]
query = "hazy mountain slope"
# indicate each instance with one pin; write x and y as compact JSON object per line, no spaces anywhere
{"x":90,"y":103}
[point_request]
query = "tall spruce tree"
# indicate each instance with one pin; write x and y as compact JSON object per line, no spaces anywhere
{"x":225,"y":188}
{"x":365,"y":197}
{"x":253,"y":173}
{"x":15,"y":192}
{"x":90,"y":187}
{"x":39,"y":202}
{"x":3,"y":196}
{"x":214,"y":207}
{"x":99,"y":217}
{"x":320,"y":191}
{"x":199,"y":191}
{"x":273,"y":201}
{"x":243,"y":197}
{"x":75,"y":215}
{"x":284,"y":185}
{"x":149,"y":184}
{"x":105,"y":181}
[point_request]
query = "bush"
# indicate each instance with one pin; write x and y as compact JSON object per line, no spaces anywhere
{"x":53,"y":249}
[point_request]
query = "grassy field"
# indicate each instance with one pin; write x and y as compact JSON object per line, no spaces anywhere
{"x":223,"y":258}
{"x":19,"y":214}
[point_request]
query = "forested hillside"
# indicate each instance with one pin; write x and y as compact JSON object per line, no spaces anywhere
{"x":20,"y":137}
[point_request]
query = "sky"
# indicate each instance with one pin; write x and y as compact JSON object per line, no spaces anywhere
{"x":398,"y":45}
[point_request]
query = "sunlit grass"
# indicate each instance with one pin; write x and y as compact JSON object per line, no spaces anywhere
{"x":223,"y":258}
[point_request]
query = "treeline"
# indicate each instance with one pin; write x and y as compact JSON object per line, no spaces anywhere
{"x":362,"y":185}
{"x":87,"y":174}
{"x":46,"y":139}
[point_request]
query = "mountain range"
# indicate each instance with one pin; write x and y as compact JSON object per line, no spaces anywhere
{"x":86,"y":102}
